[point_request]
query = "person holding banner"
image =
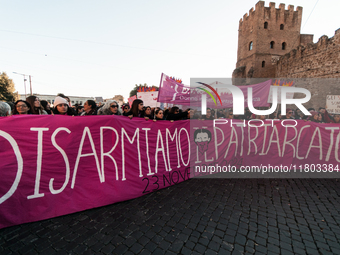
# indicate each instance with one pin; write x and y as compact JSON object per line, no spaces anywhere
{"x":231,"y":115}
{"x":126,"y":109}
{"x":175,"y":114}
{"x":46,"y":106}
{"x":314,"y":117}
{"x":36,"y":107}
{"x":137,"y":109}
{"x":147,"y":113}
{"x":159,"y":115}
{"x":336,"y":118}
{"x":61,"y":107}
{"x":289,"y":114}
{"x":90,"y":108}
{"x":111,"y":107}
{"x":208,"y":115}
{"x":5,"y":109}
{"x":329,"y":119}
{"x":21,"y":107}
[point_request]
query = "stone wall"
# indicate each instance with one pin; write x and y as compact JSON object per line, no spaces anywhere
{"x":319,"y":64}
{"x":321,"y":59}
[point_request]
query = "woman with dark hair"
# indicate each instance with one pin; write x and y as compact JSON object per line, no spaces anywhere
{"x":36,"y":107}
{"x":21,"y":107}
{"x":90,"y":108}
{"x":166,"y":113}
{"x":174,"y":114}
{"x":46,"y":106}
{"x":136,"y":109}
{"x":126,"y":109}
{"x":159,"y":115}
{"x":111,"y":107}
{"x":61,"y":107}
{"x":230,"y":114}
{"x":261,"y":117}
{"x":336,"y":118}
{"x":147,"y":113}
{"x":330,"y":119}
{"x":289,"y":114}
{"x":320,"y":118}
{"x":79,"y":110}
{"x":314,"y":117}
{"x":208,"y":115}
{"x":273,"y":116}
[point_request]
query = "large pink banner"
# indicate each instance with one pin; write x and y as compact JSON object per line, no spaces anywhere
{"x":56,"y":165}
{"x":172,"y":92}
{"x":271,"y":148}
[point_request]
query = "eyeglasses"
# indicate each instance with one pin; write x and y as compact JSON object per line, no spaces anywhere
{"x":290,"y":112}
{"x":114,"y":106}
{"x":21,"y":106}
{"x":231,"y":114}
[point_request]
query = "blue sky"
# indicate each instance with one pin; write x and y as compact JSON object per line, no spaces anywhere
{"x":104,"y":48}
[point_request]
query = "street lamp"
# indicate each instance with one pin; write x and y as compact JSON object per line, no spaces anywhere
{"x":25,"y":82}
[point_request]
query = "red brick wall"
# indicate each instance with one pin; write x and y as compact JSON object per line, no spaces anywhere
{"x":321,"y":60}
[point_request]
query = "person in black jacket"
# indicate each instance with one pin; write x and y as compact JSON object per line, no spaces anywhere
{"x":147,"y":113}
{"x":126,"y":109}
{"x":175,"y":114}
{"x":159,"y":114}
{"x":90,"y":108}
{"x":136,"y":109}
{"x":208,"y":116}
{"x":61,"y":107}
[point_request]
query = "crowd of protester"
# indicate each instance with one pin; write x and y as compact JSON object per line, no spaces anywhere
{"x":62,"y":106}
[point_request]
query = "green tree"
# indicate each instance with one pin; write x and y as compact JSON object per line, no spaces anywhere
{"x":134,"y":91}
{"x":6,"y":88}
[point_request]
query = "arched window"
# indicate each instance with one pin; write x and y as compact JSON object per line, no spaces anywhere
{"x":272,"y":44}
{"x":263,"y":63}
{"x":266,"y":25}
{"x":250,"y":45}
{"x":283,"y":45}
{"x":282,"y":26}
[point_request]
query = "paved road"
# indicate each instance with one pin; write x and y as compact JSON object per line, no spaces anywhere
{"x":215,"y":216}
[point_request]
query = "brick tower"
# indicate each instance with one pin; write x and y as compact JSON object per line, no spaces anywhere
{"x":264,"y":35}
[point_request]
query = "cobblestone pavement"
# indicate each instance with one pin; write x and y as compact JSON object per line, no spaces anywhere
{"x":227,"y":216}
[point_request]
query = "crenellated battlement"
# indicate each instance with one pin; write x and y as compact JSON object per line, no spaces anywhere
{"x":323,"y":43}
{"x":271,"y":13}
{"x":320,"y":59}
